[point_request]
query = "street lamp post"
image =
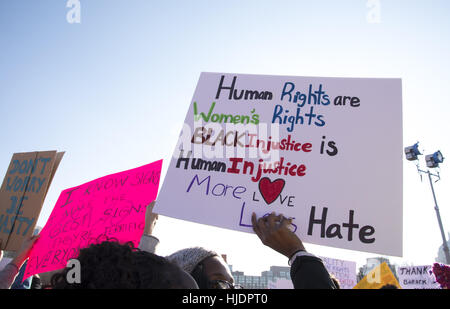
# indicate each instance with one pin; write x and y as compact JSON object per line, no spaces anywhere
{"x":432,"y":161}
{"x":446,"y":251}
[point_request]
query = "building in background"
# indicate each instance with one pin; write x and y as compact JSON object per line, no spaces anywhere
{"x":371,"y":264}
{"x":263,"y":281}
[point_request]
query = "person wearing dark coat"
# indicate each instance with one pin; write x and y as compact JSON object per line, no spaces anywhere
{"x":307,"y":270}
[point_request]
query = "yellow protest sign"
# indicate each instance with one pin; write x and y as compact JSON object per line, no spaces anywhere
{"x":377,"y":278}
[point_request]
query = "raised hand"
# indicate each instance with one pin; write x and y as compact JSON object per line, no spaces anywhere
{"x":150,"y":219}
{"x":274,"y":232}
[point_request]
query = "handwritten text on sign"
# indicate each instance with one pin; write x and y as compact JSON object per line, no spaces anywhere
{"x":22,"y":194}
{"x":314,"y":149}
{"x":344,"y":271}
{"x":417,"y":277}
{"x":109,"y":207}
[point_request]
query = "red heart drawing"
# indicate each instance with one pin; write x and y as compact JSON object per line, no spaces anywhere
{"x":270,"y":190}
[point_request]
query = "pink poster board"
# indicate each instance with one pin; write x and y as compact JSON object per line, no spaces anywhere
{"x":112,"y":206}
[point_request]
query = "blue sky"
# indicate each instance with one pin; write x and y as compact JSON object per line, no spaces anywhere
{"x":113,"y":90}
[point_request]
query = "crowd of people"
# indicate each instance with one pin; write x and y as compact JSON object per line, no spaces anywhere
{"x":110,"y":264}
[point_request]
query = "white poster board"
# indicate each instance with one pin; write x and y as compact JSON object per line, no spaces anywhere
{"x":344,"y":271}
{"x":417,"y":277}
{"x":334,"y":161}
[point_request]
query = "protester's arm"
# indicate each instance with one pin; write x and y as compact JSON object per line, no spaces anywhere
{"x":149,"y":242}
{"x":9,"y":273}
{"x":307,"y":271}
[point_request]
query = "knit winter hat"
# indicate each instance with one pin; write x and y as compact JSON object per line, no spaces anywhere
{"x":189,"y":258}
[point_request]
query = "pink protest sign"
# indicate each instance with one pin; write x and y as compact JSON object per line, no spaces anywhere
{"x":109,"y":207}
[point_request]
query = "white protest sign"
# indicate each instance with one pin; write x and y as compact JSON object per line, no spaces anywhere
{"x":417,"y":277}
{"x":324,"y":151}
{"x":344,"y":271}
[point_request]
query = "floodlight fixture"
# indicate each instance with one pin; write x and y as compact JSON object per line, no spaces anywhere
{"x":412,"y":152}
{"x":438,"y":157}
{"x":433,"y":160}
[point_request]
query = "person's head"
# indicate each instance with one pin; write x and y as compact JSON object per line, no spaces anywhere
{"x":389,"y":287}
{"x":209,"y":269}
{"x":110,"y":265}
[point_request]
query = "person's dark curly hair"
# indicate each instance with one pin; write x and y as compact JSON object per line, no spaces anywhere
{"x":389,"y":287}
{"x":110,"y":265}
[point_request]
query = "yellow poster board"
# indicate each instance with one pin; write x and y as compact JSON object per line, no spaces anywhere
{"x":377,"y":278}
